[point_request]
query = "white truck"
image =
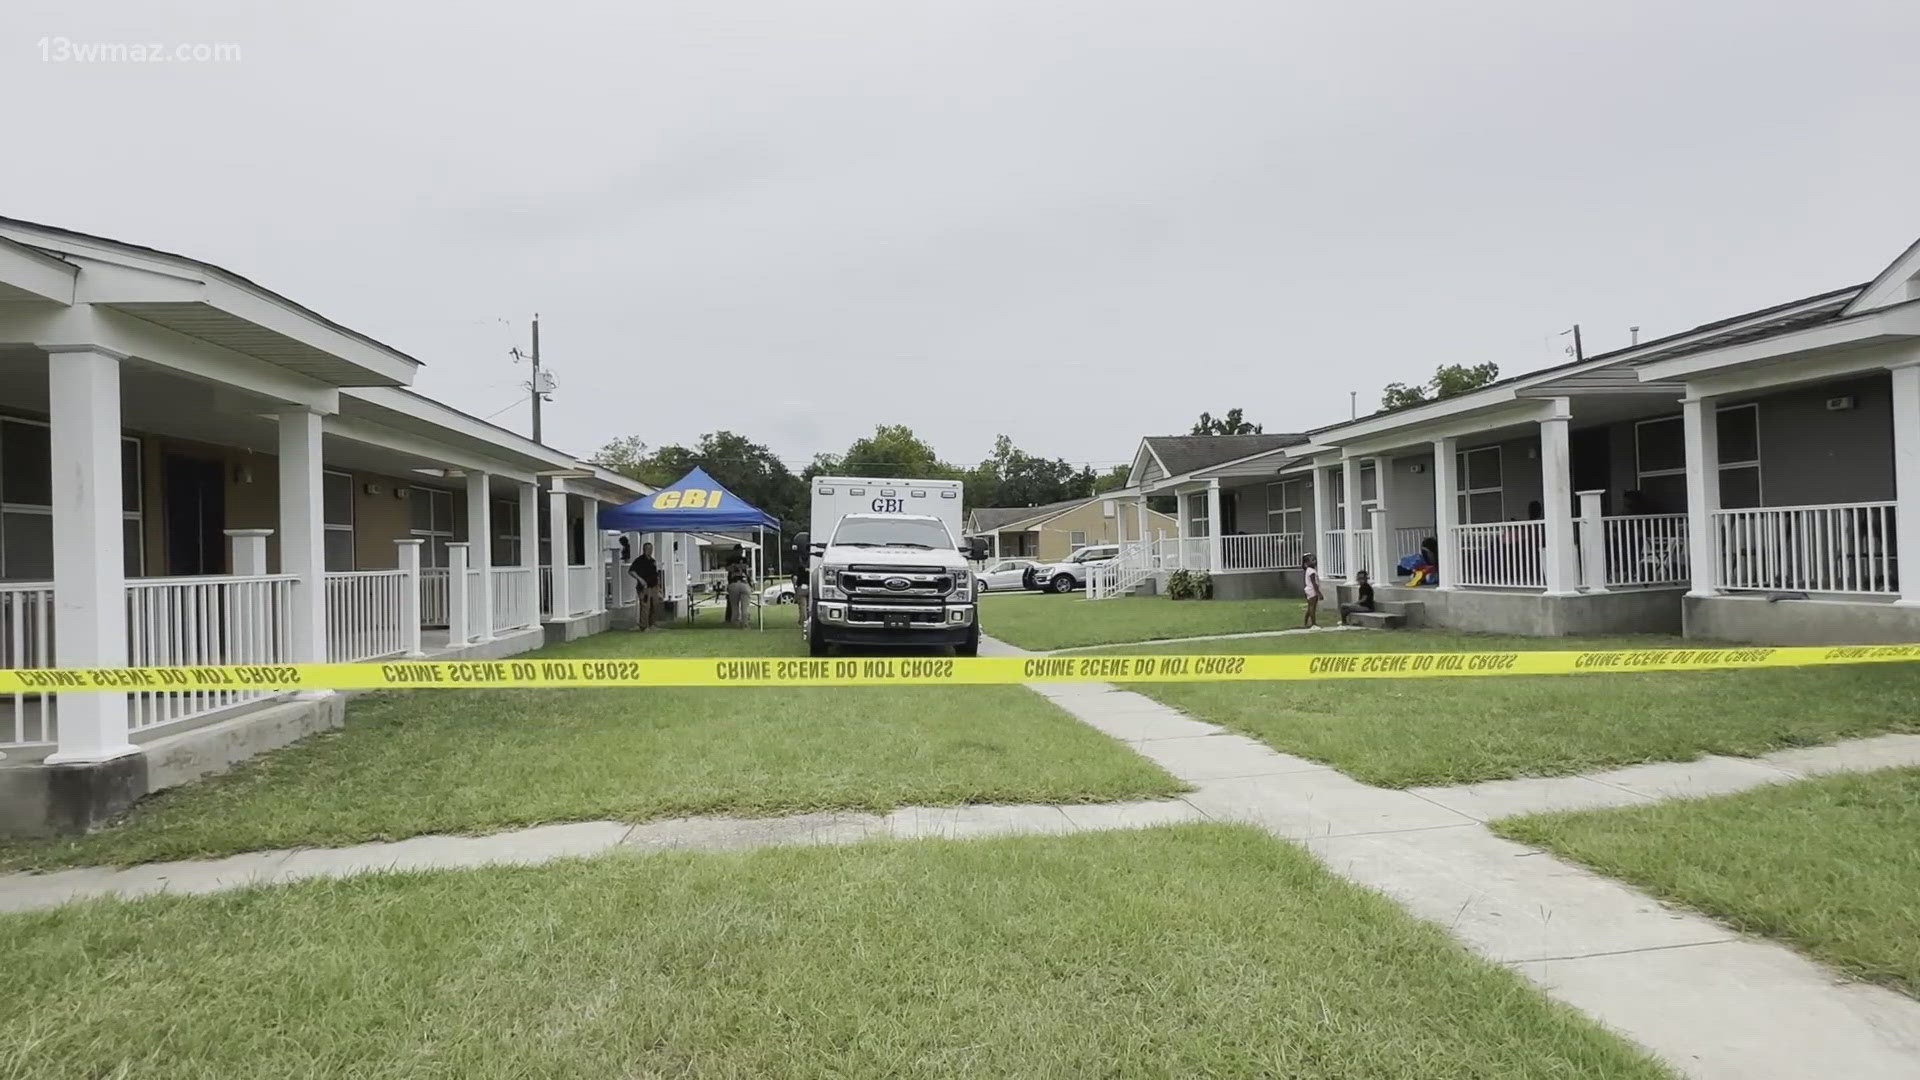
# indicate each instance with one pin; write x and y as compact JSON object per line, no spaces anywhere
{"x":887,"y":566}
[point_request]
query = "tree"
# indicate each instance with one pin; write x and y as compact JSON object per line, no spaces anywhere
{"x":1233,"y":423}
{"x":1013,"y":477}
{"x":893,"y":450}
{"x":1448,"y":380}
{"x":1113,"y":479}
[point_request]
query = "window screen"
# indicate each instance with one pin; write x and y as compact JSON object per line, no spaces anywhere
{"x":1660,"y":446}
{"x":1739,"y":432}
{"x":26,"y":464}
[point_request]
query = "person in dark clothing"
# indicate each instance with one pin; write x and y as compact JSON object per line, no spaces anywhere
{"x":739,"y":570}
{"x":646,"y":576}
{"x":1365,"y":600}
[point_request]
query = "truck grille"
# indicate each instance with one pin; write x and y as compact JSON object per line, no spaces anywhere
{"x":896,"y":582}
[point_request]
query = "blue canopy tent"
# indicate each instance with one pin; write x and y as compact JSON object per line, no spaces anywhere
{"x":695,"y":503}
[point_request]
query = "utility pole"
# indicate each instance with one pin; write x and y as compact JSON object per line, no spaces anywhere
{"x":1579,"y":353}
{"x":541,"y":385}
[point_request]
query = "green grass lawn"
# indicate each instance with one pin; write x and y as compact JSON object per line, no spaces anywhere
{"x":1193,"y":951}
{"x":1043,"y":621}
{"x":1830,"y":865}
{"x":415,"y":762}
{"x":1406,"y":732}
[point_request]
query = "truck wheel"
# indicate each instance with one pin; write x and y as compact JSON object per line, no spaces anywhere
{"x":816,"y":645}
{"x":1063,"y":583}
{"x":971,"y":646}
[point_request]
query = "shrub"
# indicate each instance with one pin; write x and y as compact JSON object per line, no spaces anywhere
{"x":1190,"y":585}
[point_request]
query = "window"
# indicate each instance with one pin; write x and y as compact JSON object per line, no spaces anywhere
{"x":1480,"y":492}
{"x":1660,"y":464}
{"x":506,"y":533}
{"x":26,"y":502}
{"x":1077,"y":538}
{"x":336,"y":510}
{"x":432,"y":511}
{"x":1197,"y":515}
{"x":1286,"y":506}
{"x":1738,"y":435}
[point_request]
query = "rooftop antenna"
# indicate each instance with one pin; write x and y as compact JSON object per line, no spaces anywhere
{"x":1636,"y":334}
{"x":541,"y":385}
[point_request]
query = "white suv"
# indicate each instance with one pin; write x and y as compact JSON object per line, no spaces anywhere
{"x":1071,"y":574}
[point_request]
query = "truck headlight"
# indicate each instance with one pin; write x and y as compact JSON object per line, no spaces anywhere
{"x":963,"y":585}
{"x":830,"y":582}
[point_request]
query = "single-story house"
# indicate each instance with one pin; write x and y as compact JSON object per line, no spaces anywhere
{"x":197,"y":470}
{"x":1052,"y":531}
{"x":1740,"y":480}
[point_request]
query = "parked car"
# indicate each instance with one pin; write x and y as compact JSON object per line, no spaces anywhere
{"x":780,"y":592}
{"x":1003,"y":576}
{"x":1071,"y":574}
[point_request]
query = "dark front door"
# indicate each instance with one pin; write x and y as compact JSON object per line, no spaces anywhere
{"x":196,"y":514}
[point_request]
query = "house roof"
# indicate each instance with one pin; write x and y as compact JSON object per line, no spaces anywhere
{"x":995,"y":518}
{"x":1180,"y":454}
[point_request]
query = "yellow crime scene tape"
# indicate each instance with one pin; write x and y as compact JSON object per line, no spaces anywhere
{"x":899,"y":671}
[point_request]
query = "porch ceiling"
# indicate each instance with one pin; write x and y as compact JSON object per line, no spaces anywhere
{"x":159,"y":401}
{"x":230,"y":331}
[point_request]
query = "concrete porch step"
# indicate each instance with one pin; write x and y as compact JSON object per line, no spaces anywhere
{"x":1377,"y":620}
{"x":1399,"y":607}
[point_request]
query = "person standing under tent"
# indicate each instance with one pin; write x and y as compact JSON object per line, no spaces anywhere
{"x":738,"y":587}
{"x":646,"y":576}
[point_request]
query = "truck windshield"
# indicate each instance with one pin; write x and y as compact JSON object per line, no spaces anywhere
{"x":892,"y":532}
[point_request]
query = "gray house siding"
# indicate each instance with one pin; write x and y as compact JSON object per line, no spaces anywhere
{"x":1811,"y":455}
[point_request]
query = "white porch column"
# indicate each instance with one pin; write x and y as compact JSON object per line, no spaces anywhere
{"x":1446,"y":509}
{"x":459,"y":609}
{"x":1384,"y":558}
{"x":480,"y":551}
{"x":303,"y":552}
{"x":89,"y":557}
{"x":1322,"y":511}
{"x":1562,"y":571}
{"x":557,"y":548}
{"x":1700,"y":426}
{"x":605,"y":544}
{"x":1350,"y":527}
{"x":1181,"y":512}
{"x":1214,"y":564}
{"x":1906,"y":480}
{"x":1593,"y":543}
{"x":249,"y":547}
{"x":530,"y":548}
{"x":407,"y":557}
{"x":1140,"y":517}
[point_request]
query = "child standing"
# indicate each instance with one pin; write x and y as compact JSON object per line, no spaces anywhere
{"x":1310,"y":578}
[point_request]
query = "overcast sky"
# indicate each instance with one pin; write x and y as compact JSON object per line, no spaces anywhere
{"x":1072,"y":222}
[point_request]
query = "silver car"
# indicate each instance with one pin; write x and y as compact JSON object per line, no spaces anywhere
{"x":1002,"y":576}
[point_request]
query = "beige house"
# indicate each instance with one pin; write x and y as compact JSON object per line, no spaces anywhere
{"x":1051,"y":532}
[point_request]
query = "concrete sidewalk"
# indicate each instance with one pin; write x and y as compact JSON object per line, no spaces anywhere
{"x":545,"y":843}
{"x":1708,"y":1001}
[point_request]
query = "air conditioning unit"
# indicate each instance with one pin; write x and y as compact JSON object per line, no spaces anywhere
{"x":1840,"y":404}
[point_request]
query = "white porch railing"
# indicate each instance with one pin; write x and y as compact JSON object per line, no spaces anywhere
{"x":365,"y":611}
{"x":204,"y":620}
{"x":26,"y":641}
{"x":1262,"y":551}
{"x":1408,"y":538}
{"x":1645,"y":549}
{"x":1843,"y":548}
{"x":433,"y":596}
{"x":581,"y":587}
{"x":1133,"y":565}
{"x":1333,"y":553}
{"x":1363,"y":558}
{"x":512,"y":598}
{"x":1188,"y":554}
{"x":477,"y":587}
{"x":1508,"y":555}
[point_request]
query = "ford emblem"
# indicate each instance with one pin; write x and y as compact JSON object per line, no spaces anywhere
{"x":897,"y":584}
